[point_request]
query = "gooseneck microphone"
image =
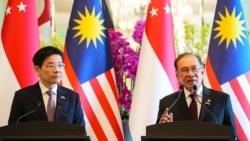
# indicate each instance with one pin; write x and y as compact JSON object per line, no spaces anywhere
{"x":179,"y":95}
{"x":194,"y":90}
{"x":59,"y":106}
{"x":202,"y":104}
{"x":30,"y":112}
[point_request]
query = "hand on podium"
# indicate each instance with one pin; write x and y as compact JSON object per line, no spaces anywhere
{"x":166,"y":117}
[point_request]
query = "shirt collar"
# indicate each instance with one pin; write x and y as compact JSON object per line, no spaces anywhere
{"x":44,"y":89}
{"x":199,"y":91}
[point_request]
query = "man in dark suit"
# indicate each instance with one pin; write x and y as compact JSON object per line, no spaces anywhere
{"x":216,"y":106}
{"x":34,"y":100}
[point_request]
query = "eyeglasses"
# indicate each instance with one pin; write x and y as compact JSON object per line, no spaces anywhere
{"x":185,"y":71}
{"x":54,"y":65}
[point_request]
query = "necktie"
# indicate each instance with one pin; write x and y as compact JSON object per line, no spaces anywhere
{"x":193,"y":107}
{"x":51,"y":106}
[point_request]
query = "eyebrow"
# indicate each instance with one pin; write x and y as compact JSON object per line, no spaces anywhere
{"x":55,"y":62}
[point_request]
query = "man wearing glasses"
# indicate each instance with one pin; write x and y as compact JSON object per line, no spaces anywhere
{"x":46,"y":100}
{"x":194,"y":101}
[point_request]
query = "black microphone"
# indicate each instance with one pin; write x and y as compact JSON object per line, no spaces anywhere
{"x":202,"y":104}
{"x":38,"y":105}
{"x":194,"y":90}
{"x":181,"y":89}
{"x":59,"y":106}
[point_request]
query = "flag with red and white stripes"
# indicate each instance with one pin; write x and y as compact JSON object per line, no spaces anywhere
{"x":44,"y":11}
{"x":228,"y":61}
{"x":156,"y":73}
{"x":89,"y":70}
{"x":19,"y":42}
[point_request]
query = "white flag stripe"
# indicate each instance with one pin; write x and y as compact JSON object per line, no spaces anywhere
{"x":237,"y":108}
{"x":95,"y":106}
{"x":235,"y":102}
{"x":8,"y":86}
{"x":90,"y":131}
{"x":111,"y":99}
{"x":242,"y":80}
{"x":91,"y":97}
{"x":244,"y":85}
{"x":151,"y":85}
{"x":98,"y":110}
{"x":45,"y":31}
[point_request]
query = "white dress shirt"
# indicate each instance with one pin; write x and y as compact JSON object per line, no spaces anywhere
{"x":46,"y":96}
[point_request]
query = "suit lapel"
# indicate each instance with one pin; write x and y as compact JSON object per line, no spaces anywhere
{"x":182,"y":112}
{"x":206,"y":101}
{"x":61,"y":100}
{"x":36,"y":97}
{"x":61,"y":96}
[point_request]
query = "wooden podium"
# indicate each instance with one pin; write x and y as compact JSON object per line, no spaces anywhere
{"x":43,"y":130}
{"x":188,"y":130}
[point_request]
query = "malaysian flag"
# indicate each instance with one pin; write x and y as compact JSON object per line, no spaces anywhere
{"x":228,"y":61}
{"x":89,"y":69}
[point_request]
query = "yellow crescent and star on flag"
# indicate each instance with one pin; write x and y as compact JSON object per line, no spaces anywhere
{"x":230,"y":28}
{"x":89,"y":27}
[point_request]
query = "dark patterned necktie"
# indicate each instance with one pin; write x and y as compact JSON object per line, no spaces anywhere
{"x":193,"y":107}
{"x":51,"y":106}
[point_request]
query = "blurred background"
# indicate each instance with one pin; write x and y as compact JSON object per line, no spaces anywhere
{"x":125,"y":13}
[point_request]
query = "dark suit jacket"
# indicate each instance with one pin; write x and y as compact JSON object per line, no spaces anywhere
{"x":27,"y":99}
{"x":217,"y":102}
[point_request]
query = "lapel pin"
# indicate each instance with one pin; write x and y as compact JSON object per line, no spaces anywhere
{"x":208,"y":102}
{"x":62,"y":97}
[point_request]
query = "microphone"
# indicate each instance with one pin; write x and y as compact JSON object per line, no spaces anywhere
{"x":32,"y":111}
{"x":202,"y":104}
{"x":170,"y":107}
{"x":181,"y":89}
{"x":59,"y":106}
{"x":194,"y":90}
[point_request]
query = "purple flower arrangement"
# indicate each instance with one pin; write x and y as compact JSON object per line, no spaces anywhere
{"x":125,"y":64}
{"x":138,"y":31}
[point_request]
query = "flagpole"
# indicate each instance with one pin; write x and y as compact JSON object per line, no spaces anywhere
{"x":202,"y":12}
{"x":52,"y":8}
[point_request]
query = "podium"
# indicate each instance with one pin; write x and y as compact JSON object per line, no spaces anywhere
{"x":43,"y":130}
{"x":188,"y":130}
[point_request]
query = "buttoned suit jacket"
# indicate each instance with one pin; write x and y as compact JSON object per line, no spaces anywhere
{"x":216,"y":107}
{"x":30,"y":98}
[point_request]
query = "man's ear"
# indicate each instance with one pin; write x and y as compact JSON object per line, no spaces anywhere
{"x":37,"y":69}
{"x":177,"y":77}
